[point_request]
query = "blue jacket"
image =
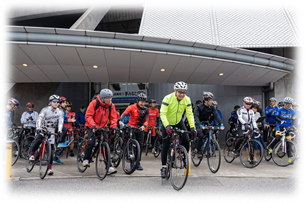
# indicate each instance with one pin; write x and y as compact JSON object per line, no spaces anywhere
{"x":80,"y":119}
{"x":270,"y":111}
{"x":285,"y":115}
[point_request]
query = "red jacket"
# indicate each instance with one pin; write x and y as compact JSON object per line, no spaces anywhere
{"x":138,"y":116}
{"x":99,"y":118}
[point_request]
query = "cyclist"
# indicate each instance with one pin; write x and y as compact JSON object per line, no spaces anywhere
{"x":203,"y":113}
{"x":246,"y":119}
{"x":285,"y":117}
{"x":71,"y":121}
{"x":295,"y":107}
{"x":234,"y":118}
{"x":48,"y":119}
{"x":172,"y":108}
{"x":80,"y":117}
{"x":99,"y":112}
{"x":153,"y":119}
{"x":270,"y":111}
{"x":280,"y":104}
{"x":11,"y":106}
{"x":29,"y":117}
{"x":139,"y":115}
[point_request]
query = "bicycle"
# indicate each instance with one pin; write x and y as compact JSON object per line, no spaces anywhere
{"x":128,"y":150}
{"x":71,"y":137}
{"x":285,"y":147}
{"x":177,"y":160}
{"x":27,"y":137}
{"x":270,"y":138}
{"x":231,"y":134}
{"x":13,"y":137}
{"x":42,"y":155}
{"x":147,"y":143}
{"x":158,"y":145}
{"x":209,"y":149}
{"x":100,"y":151}
{"x":247,"y":149}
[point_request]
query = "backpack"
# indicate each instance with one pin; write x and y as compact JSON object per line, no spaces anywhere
{"x":98,"y":104}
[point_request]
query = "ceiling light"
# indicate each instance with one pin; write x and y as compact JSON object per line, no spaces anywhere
{"x":220,"y":74}
{"x":95,"y":66}
{"x":162,"y":70}
{"x":25,"y":65}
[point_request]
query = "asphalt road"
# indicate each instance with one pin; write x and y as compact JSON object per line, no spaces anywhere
{"x":121,"y":186}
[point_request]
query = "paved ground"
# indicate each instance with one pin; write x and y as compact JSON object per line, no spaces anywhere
{"x":152,"y":166}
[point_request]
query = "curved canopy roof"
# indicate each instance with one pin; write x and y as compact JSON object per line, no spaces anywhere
{"x":65,"y":55}
{"x":246,"y":24}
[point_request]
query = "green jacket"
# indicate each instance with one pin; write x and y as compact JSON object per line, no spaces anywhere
{"x":172,"y":110}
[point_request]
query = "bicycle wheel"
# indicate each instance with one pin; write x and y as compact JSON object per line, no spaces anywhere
{"x":102,"y":162}
{"x":228,"y":149}
{"x":80,"y":156}
{"x":179,"y":167}
{"x":267,"y":155}
{"x":25,"y":146}
{"x":228,"y":135}
{"x":251,"y":154}
{"x":147,"y":144}
{"x":157,"y":146}
{"x":15,"y":151}
{"x":44,"y":159}
{"x":30,"y":164}
{"x":131,"y":156}
{"x":194,"y":158}
{"x":117,"y":152}
{"x":213,"y":156}
{"x":280,"y":157}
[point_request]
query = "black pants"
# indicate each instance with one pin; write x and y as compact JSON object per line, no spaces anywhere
{"x":201,"y":134}
{"x":166,"y":142}
{"x":139,"y":136}
{"x":90,"y":144}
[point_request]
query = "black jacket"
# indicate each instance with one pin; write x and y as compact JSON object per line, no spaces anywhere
{"x":203,"y":114}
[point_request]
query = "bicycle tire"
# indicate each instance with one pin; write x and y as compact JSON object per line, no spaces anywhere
{"x":80,"y":156}
{"x":228,"y":135}
{"x":267,"y":155}
{"x":117,"y":152}
{"x":244,"y":157}
{"x":179,"y":160}
{"x":196,"y":162}
{"x":134,"y":156}
{"x":214,"y":152}
{"x":15,"y":151}
{"x":228,"y":150}
{"x":30,"y":164}
{"x":25,"y":146}
{"x":44,"y":160}
{"x":157,"y":146}
{"x":147,"y":144}
{"x":280,"y":158}
{"x":102,"y":162}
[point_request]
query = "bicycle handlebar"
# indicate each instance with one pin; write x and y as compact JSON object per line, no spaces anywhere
{"x":176,"y":131}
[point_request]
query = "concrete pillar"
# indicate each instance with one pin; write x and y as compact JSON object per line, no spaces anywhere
{"x":91,"y":18}
{"x":287,"y":86}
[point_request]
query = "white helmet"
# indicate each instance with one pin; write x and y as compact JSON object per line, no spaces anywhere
{"x":180,"y":86}
{"x":288,"y":100}
{"x":272,"y":99}
{"x":248,"y":100}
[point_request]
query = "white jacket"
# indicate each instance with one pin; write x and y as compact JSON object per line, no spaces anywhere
{"x":246,"y":117}
{"x":29,"y":122}
{"x":48,"y":119}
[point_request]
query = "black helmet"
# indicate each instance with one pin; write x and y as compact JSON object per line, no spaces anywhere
{"x":280,"y":104}
{"x":141,"y":97}
{"x":152,"y":101}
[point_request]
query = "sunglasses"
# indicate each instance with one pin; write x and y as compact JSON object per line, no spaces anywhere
{"x":181,"y":92}
{"x":248,"y":103}
{"x":55,"y":101}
